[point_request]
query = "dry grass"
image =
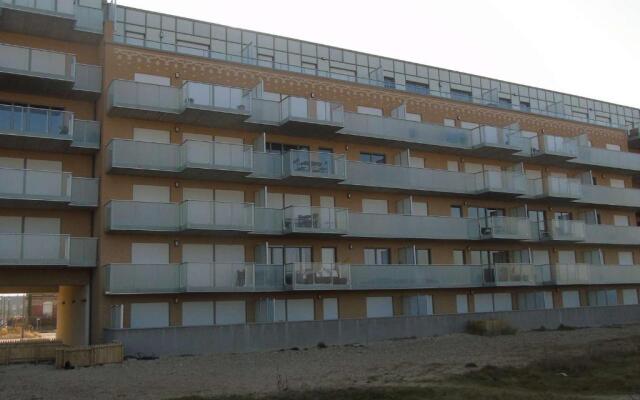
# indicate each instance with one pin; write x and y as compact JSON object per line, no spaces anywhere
{"x":609,"y":368}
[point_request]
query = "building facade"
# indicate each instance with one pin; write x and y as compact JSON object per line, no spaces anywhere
{"x":158,"y":171}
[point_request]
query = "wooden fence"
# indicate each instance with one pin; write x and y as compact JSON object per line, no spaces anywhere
{"x":33,"y":351}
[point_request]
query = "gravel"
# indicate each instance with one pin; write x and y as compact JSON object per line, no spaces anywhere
{"x":393,"y":362}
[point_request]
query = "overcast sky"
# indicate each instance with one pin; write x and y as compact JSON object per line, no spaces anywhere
{"x":584,"y":47}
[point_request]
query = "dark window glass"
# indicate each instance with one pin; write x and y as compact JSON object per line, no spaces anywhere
{"x":389,"y":83}
{"x":460,"y":95}
{"x":419,"y":88}
{"x":373,"y":158}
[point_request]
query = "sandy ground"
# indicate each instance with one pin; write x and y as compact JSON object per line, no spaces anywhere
{"x":392,"y":362}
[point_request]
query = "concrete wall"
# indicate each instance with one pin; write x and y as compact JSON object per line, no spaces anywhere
{"x":274,"y":336}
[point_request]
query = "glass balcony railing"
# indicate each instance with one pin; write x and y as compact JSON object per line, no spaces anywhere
{"x":415,"y":276}
{"x":86,"y":17}
{"x":191,"y":154}
{"x":407,"y":178}
{"x":592,"y":194}
{"x":500,"y":182}
{"x":27,"y":184}
{"x":24,"y":249}
{"x":559,"y":229}
{"x":190,"y":215}
{"x":510,"y":275}
{"x":142,"y":278}
{"x":314,"y":164}
{"x":394,"y":129}
{"x":412,"y":226}
{"x":491,"y":136}
{"x":217,"y":277}
{"x":589,"y":274}
{"x":216,"y":156}
{"x":611,"y":234}
{"x":216,"y":216}
{"x":555,"y":187}
{"x":37,"y":63}
{"x":84,"y":192}
{"x":325,"y":220}
{"x":317,"y":276}
{"x":193,"y":278}
{"x":126,"y":215}
{"x":38,"y":122}
{"x":557,"y":146}
{"x":131,"y":95}
{"x":88,"y":78}
{"x":30,"y":123}
{"x":216,"y":98}
{"x":618,"y":160}
{"x":269,"y":220}
{"x":312,"y":111}
{"x":502,"y":227}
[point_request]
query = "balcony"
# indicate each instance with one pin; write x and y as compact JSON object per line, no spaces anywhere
{"x":385,"y":277}
{"x":555,"y":150}
{"x":504,"y":275}
{"x":312,"y":166}
{"x":494,"y":142}
{"x":500,"y":183}
{"x":617,"y":161}
{"x":372,"y":128}
{"x":189,"y":216}
{"x":192,"y":159}
{"x":589,"y":274}
{"x":58,"y":19}
{"x":316,"y":220}
{"x":559,"y":230}
{"x":192,"y":278}
{"x":45,"y":129}
{"x":47,"y":72}
{"x":317,"y":276}
{"x":611,"y":234}
{"x":28,"y":188}
{"x":194,"y":103}
{"x":504,"y":228}
{"x":269,"y":221}
{"x":555,"y":188}
{"x":398,"y":226}
{"x":216,"y":216}
{"x":592,"y":194}
{"x":400,"y":178}
{"x":35,"y":250}
{"x":310,"y":117}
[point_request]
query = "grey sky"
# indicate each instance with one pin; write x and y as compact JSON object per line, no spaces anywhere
{"x":584,"y":47}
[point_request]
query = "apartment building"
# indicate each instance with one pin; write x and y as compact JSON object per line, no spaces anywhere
{"x":158,"y":171}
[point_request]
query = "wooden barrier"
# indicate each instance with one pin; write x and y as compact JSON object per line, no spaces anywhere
{"x":29,"y":351}
{"x":86,"y":356}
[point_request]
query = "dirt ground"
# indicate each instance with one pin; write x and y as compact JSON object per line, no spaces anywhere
{"x":402,"y":362}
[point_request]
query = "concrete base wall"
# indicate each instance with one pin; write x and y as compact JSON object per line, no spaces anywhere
{"x":275,"y":336}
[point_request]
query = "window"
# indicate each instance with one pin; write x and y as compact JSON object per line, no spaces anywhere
{"x":389,"y":83}
{"x":449,"y":122}
{"x":460,"y":95}
{"x":192,"y":48}
{"x":283,"y":148}
{"x":377,"y":256}
{"x":535,"y":301}
{"x":602,"y":298}
{"x":562,"y":216}
{"x":418,"y":88}
{"x":459,"y":257}
{"x":373,"y":158}
{"x":417,"y":305}
{"x":134,"y":38}
{"x":614,"y":147}
{"x":286,"y":255}
{"x":537,"y":217}
{"x":265,"y":60}
{"x":456,"y":211}
{"x":502,"y":102}
{"x":423,"y":256}
{"x":525,"y":106}
{"x":309,"y":68}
